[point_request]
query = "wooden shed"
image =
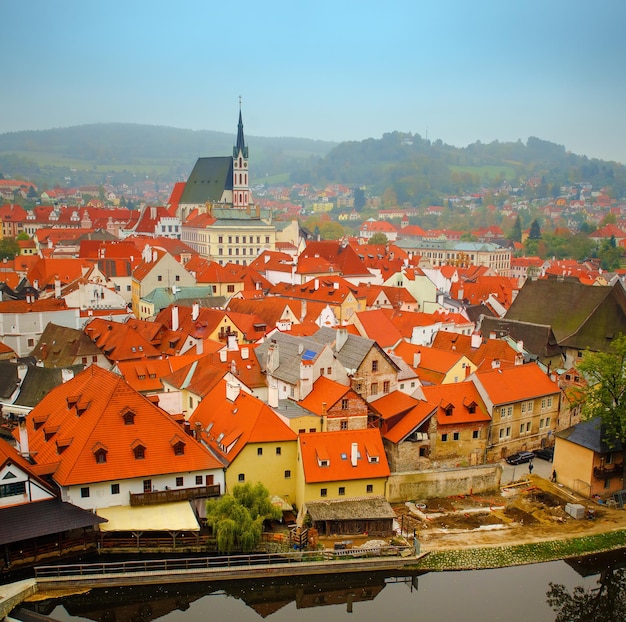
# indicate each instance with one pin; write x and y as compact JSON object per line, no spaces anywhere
{"x":349,"y":517}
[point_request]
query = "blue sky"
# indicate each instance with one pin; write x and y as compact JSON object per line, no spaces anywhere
{"x":455,"y":70}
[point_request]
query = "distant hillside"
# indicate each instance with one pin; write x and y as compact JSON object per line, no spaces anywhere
{"x":419,"y":171}
{"x":86,"y":151}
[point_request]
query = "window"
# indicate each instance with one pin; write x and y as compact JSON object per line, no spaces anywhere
{"x":386,"y":386}
{"x":342,"y":491}
{"x":444,"y":438}
{"x":179,"y":481}
{"x":503,"y":412}
{"x":101,"y":456}
{"x":455,"y":436}
{"x":267,"y":239}
{"x":278,"y":451}
{"x":476,"y":434}
{"x":179,"y":449}
{"x":241,"y":477}
{"x":31,"y":343}
{"x":369,"y":488}
{"x":140,"y":452}
{"x":259,"y":451}
{"x":115,"y":489}
{"x":344,"y":404}
{"x":321,"y":371}
{"x":329,"y":371}
{"x":147,"y":485}
{"x":344,"y":424}
{"x":374,"y":388}
{"x":159,"y":277}
{"x":374,"y":365}
{"x":84,"y":492}
{"x":287,"y":474}
{"x":12,"y":489}
{"x":230,"y":289}
{"x":198,"y":480}
{"x":323,"y":492}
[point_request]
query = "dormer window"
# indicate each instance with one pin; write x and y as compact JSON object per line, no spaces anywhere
{"x":179,"y":446}
{"x":139,"y":450}
{"x":100,"y":453}
{"x":129,"y":416}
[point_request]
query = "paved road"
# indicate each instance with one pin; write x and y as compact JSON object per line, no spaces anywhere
{"x":543,"y":468}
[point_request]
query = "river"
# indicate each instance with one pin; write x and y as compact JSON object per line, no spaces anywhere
{"x":517,"y":594}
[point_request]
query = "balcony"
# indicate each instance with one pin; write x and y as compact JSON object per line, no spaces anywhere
{"x":604,"y":473}
{"x":171,"y":495}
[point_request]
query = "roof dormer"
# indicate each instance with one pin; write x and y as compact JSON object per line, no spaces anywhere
{"x":100,"y":453}
{"x":128,"y":415}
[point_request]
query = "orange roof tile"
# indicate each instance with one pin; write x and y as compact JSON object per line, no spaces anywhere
{"x":87,"y":412}
{"x":336,"y":448}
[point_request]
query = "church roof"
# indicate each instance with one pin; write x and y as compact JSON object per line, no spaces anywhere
{"x":208,"y":180}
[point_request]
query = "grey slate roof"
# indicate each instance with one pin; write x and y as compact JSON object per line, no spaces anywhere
{"x":538,"y":339}
{"x":354,"y":350}
{"x":291,"y":350}
{"x":40,"y":381}
{"x":589,"y":434}
{"x":162,"y":297}
{"x":350,"y":509}
{"x":63,"y":345}
{"x":42,"y":518}
{"x":8,"y":378}
{"x":208,"y":180}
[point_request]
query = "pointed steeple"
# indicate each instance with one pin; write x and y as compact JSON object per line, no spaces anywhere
{"x":240,"y":147}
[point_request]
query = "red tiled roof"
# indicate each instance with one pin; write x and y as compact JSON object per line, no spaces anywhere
{"x":454,"y":404}
{"x":336,"y":448}
{"x":87,"y":413}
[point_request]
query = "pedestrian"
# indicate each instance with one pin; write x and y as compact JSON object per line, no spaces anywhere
{"x":530,"y":467}
{"x":554,"y":476}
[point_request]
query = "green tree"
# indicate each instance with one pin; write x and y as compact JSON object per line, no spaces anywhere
{"x":535,"y":230}
{"x":378,"y":238}
{"x":359,"y":199}
{"x":9,"y":248}
{"x":516,"y":231}
{"x":605,"y":396}
{"x":237,"y":519}
{"x":23,"y":236}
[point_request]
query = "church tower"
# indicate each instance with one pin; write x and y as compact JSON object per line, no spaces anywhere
{"x":241,"y":190}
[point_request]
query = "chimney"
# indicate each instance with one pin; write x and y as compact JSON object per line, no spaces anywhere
{"x":302,"y":310}
{"x":354,"y":454}
{"x":317,"y":284}
{"x":223,"y":356}
{"x":495,"y":364}
{"x":245,"y":354}
{"x":24,"y":449}
{"x":341,"y":339}
{"x":232,"y":391}
{"x":195,"y":311}
{"x":233,"y":367}
{"x":476,"y":341}
{"x":66,"y":374}
{"x":492,"y":335}
{"x":231,"y":342}
{"x":175,"y":317}
{"x":336,"y":285}
{"x":520,"y":345}
{"x":200,"y":346}
{"x":272,"y":392}
{"x":306,"y":379}
{"x":57,"y":288}
{"x":272,"y":358}
{"x":154,"y":256}
{"x":44,"y":351}
{"x":417,"y":358}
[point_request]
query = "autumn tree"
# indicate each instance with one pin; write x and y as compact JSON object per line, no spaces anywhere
{"x":237,"y":519}
{"x":605,"y":396}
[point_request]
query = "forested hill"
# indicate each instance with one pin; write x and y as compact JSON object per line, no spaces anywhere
{"x":167,"y":151}
{"x":406,"y":166}
{"x":421,"y":171}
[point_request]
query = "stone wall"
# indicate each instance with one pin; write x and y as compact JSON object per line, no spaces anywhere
{"x":419,"y":485}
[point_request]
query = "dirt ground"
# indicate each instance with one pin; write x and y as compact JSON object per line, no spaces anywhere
{"x":529,"y":511}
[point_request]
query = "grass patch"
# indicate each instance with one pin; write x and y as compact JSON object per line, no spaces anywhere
{"x":503,"y":556}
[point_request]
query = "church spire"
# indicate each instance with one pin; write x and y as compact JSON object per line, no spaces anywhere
{"x":240,"y":147}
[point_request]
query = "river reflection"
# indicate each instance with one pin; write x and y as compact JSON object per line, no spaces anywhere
{"x":586,"y":590}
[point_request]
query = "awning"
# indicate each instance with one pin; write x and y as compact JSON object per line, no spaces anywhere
{"x":177,"y":516}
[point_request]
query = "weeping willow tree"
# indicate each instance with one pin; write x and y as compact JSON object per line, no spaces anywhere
{"x":237,"y":519}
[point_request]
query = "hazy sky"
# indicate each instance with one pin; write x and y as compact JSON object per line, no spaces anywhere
{"x":455,"y":70}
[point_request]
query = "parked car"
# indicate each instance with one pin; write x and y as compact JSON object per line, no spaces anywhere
{"x":545,"y":453}
{"x":520,"y":457}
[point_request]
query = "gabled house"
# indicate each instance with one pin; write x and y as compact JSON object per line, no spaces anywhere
{"x":250,"y":440}
{"x":106,"y":445}
{"x":524,"y":403}
{"x":158,"y":268}
{"x":338,"y":406}
{"x":585,"y":462}
{"x":346,"y":464}
{"x":478,"y":349}
{"x":459,"y":431}
{"x":371,"y":370}
{"x":292,"y":364}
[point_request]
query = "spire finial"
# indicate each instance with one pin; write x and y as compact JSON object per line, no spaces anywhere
{"x":240,"y":103}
